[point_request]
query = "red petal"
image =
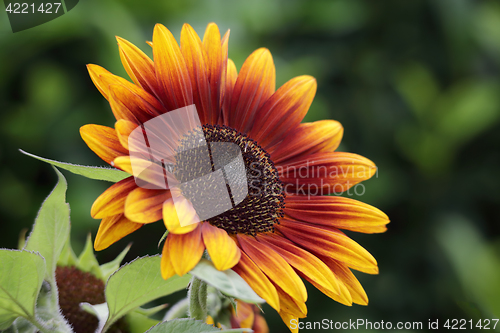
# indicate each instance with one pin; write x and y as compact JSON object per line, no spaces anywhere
{"x":255,"y":84}
{"x":171,"y":71}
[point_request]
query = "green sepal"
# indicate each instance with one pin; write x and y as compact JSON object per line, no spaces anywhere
{"x":87,"y":261}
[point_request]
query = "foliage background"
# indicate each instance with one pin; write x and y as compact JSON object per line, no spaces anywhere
{"x":415,"y":84}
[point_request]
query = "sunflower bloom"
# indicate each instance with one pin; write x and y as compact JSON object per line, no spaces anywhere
{"x":272,"y":238}
{"x":248,"y":316}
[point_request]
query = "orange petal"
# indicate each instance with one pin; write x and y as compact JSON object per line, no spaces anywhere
{"x":337,"y":212}
{"x":325,"y":173}
{"x":303,"y":261}
{"x":309,"y":138}
{"x":145,"y":206}
{"x":185,"y":250}
{"x":222,"y":249}
{"x":123,"y":129}
{"x":231,"y":76}
{"x":252,"y":274}
{"x":244,"y":316}
{"x":274,"y":266}
{"x":112,"y":229}
{"x":329,"y":242}
{"x":95,"y":72}
{"x":349,"y":280}
{"x":215,"y":53}
{"x":152,"y":173}
{"x":195,"y":56}
{"x":291,"y":321}
{"x":255,"y":84}
{"x":284,"y":110}
{"x":112,"y":201}
{"x":291,"y":305}
{"x":171,"y":219}
{"x":171,"y":71}
{"x":167,"y":269}
{"x":103,"y":141}
{"x":138,"y":66}
{"x":344,"y":297}
{"x":224,"y":64}
{"x":260,"y":325}
{"x":132,"y":103}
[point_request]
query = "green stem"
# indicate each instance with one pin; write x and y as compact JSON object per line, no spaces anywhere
{"x":197,"y":299}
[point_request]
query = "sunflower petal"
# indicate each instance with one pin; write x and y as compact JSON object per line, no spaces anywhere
{"x":103,"y":141}
{"x":185,"y":250}
{"x":222,"y":249}
{"x":95,"y":72}
{"x":284,"y":110}
{"x":329,"y":242}
{"x":152,"y":174}
{"x":171,"y":219}
{"x":171,"y":71}
{"x":112,"y":229}
{"x":309,"y":138}
{"x":349,"y":280}
{"x":337,"y":212}
{"x":132,"y":103}
{"x":231,"y":76}
{"x":274,"y":266}
{"x":224,"y":44}
{"x":216,"y":70}
{"x":252,"y":274}
{"x":194,"y":54}
{"x":255,"y":84}
{"x":325,"y":173}
{"x":303,"y":261}
{"x":291,"y":305}
{"x":145,"y":206}
{"x":123,"y":129}
{"x":167,"y":269}
{"x":138,"y":66}
{"x":244,"y":317}
{"x":291,"y":321}
{"x":112,"y":201}
{"x":344,"y":297}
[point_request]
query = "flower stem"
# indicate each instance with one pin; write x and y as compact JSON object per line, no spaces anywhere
{"x":198,"y":299}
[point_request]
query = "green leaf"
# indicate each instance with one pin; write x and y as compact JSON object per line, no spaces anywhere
{"x":92,"y":172}
{"x":51,"y":230}
{"x":139,"y":323}
{"x":228,"y":282}
{"x":87,"y":261}
{"x":138,"y":283}
{"x":21,"y":276}
{"x":110,"y":267}
{"x":184,"y":326}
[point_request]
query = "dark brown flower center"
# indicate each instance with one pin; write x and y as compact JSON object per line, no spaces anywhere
{"x":263,"y":204}
{"x":74,"y":287}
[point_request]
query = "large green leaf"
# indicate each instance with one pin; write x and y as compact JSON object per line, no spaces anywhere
{"x":228,"y":282}
{"x":92,"y":172}
{"x":184,"y":326}
{"x":51,"y":230}
{"x":138,"y":283}
{"x":21,"y":276}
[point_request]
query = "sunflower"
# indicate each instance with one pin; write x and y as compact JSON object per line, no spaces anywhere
{"x":273,"y":237}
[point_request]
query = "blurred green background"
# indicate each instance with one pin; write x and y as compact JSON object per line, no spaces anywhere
{"x":416,"y":85}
